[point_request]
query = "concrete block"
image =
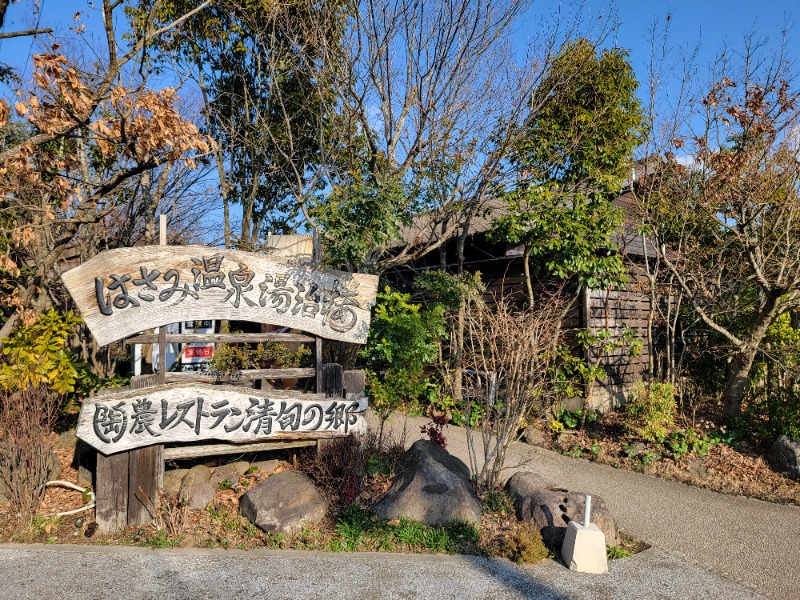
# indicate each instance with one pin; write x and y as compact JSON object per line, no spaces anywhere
{"x":584,"y":549}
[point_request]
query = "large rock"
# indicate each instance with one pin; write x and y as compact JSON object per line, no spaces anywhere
{"x":550,"y":509}
{"x":284,"y":503}
{"x":431,"y":487}
{"x":784,"y":457}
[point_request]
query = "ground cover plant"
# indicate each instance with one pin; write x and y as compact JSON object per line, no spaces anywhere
{"x":697,"y":449}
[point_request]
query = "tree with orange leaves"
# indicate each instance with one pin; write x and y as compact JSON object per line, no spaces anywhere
{"x":78,"y":140}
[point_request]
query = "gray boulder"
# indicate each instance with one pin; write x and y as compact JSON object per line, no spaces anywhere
{"x":431,"y":487}
{"x":199,"y":496}
{"x":550,"y":508}
{"x":284,"y":503}
{"x":784,"y":457}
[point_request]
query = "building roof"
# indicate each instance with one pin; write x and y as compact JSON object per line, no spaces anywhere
{"x":428,"y":227}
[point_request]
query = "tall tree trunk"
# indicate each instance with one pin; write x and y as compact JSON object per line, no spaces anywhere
{"x":738,"y":381}
{"x":226,"y":220}
{"x":458,"y":354}
{"x":526,"y":267}
{"x":738,"y":375}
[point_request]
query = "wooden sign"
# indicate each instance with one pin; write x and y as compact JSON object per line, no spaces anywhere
{"x":124,"y":291}
{"x":119,"y":421}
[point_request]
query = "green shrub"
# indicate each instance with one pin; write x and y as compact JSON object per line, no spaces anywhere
{"x":229,"y":359}
{"x":650,"y":412}
{"x":615,"y":552}
{"x":768,"y":416}
{"x":572,"y":418}
{"x":37,"y":355}
{"x":687,"y":441}
{"x":524,"y":544}
{"x":403,"y":340}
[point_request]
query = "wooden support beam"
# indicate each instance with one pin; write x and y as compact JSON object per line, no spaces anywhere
{"x":111,"y":493}
{"x":332,"y":380}
{"x":246,"y":375}
{"x":354,"y":382}
{"x":225,"y":338}
{"x":318,"y":365}
{"x":143,"y":467}
{"x":182,"y":452}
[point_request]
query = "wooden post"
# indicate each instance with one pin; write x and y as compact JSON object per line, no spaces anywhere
{"x":332,"y":380}
{"x":162,"y":331}
{"x":111,"y":495}
{"x":318,"y":364}
{"x":353,"y":382}
{"x":330,"y":376}
{"x":143,"y":468}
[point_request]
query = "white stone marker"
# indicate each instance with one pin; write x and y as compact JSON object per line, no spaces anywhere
{"x":584,"y":547}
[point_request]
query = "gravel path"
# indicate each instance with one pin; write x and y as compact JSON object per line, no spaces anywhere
{"x":110,"y":573}
{"x":749,"y":541}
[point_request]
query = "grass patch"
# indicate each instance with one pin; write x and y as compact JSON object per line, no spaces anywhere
{"x":358,"y":530}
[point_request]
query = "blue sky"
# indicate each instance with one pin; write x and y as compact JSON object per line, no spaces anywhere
{"x":710,"y":22}
{"x":703,"y":24}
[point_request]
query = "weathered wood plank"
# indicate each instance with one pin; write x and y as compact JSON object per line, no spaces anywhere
{"x":246,"y":375}
{"x":111,"y":494}
{"x":332,"y":380}
{"x":318,"y":365}
{"x":194,"y":412}
{"x":143,"y":467}
{"x":354,"y":382}
{"x":127,"y":290}
{"x":139,"y":382}
{"x":183,"y":452}
{"x":225,"y":338}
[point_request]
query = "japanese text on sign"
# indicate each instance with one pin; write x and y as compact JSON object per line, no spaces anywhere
{"x":184,"y":413}
{"x":278,"y":291}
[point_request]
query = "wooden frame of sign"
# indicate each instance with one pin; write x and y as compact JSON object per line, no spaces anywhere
{"x":122,"y":292}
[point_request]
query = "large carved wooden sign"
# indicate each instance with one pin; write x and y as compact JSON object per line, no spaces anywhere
{"x":164,"y":414}
{"x":124,"y":291}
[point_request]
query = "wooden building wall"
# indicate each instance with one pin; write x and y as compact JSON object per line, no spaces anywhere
{"x":501,"y":269}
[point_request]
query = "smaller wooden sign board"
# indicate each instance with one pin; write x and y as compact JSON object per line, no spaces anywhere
{"x":189,"y":412}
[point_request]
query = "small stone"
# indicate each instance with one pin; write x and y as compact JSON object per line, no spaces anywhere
{"x":784,"y":457}
{"x":266,"y":467}
{"x":173,"y":480}
{"x":240,"y":466}
{"x":79,"y":522}
{"x":200,"y":496}
{"x":76,"y":533}
{"x":197,"y":474}
{"x":534,"y":436}
{"x":223,"y":474}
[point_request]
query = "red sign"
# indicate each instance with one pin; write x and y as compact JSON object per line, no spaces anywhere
{"x":199,"y":352}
